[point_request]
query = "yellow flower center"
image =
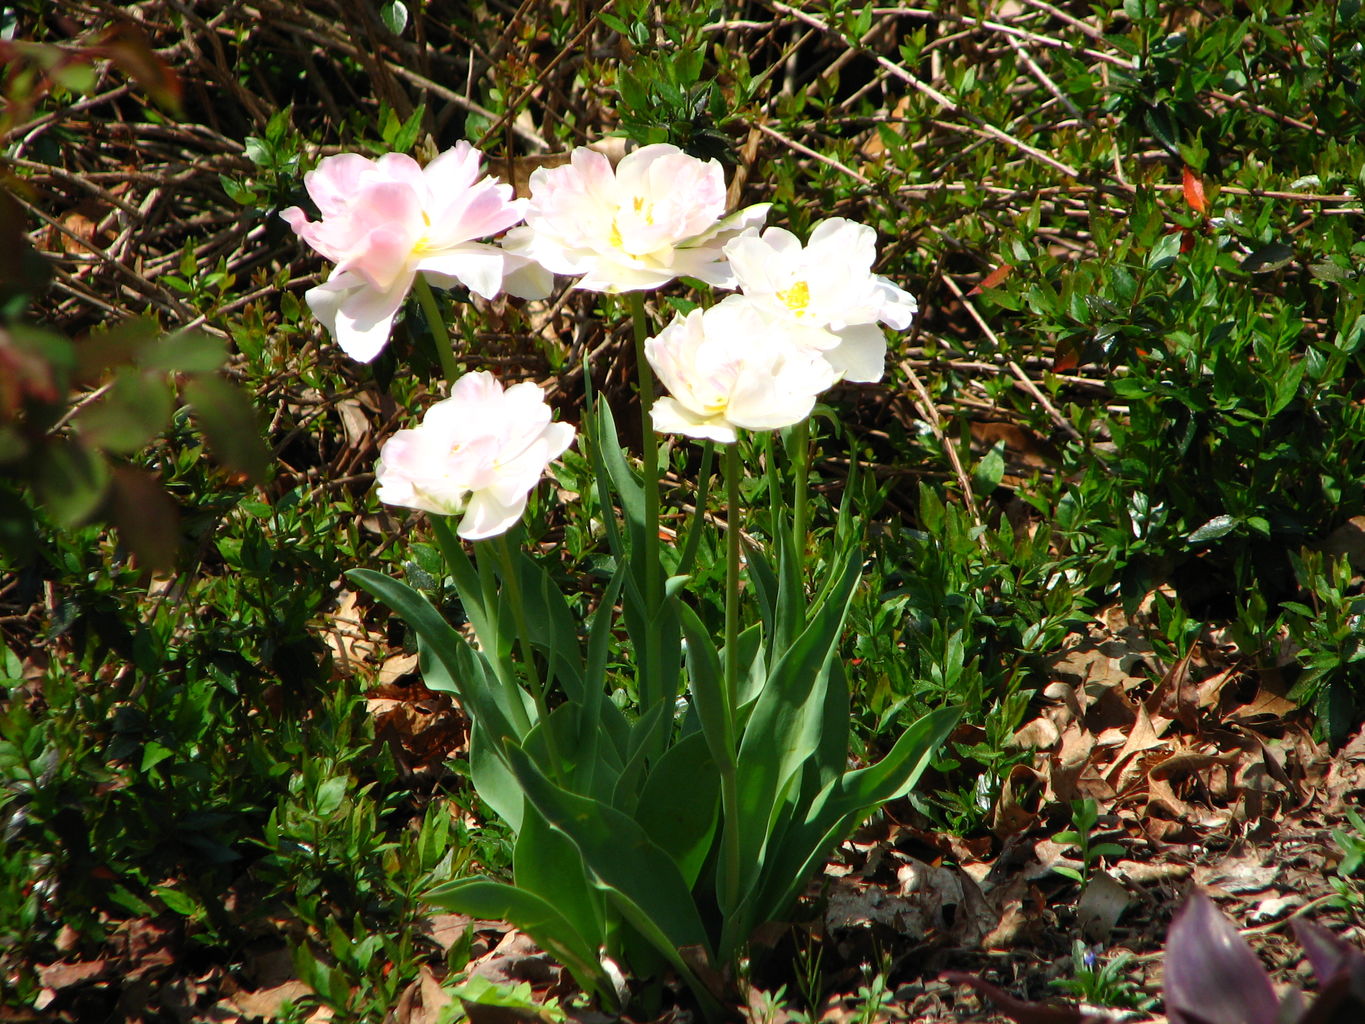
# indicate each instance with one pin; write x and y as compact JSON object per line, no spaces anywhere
{"x":423,"y":247}
{"x":796,"y":298}
{"x":615,"y":237}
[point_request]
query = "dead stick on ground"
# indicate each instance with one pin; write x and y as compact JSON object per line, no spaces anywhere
{"x":929,"y":412}
{"x":1014,"y":367}
{"x":928,"y":90}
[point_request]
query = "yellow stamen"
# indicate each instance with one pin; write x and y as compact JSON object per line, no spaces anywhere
{"x":796,"y":298}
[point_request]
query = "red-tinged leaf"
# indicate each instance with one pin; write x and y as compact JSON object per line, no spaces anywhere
{"x":1066,"y":356}
{"x":1193,"y":188}
{"x":1211,"y":974}
{"x":147,"y":518}
{"x":1187,"y":240}
{"x":993,"y":279}
{"x":128,"y":48}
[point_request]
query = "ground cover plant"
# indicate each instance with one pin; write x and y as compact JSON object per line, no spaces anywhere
{"x":1104,"y":500}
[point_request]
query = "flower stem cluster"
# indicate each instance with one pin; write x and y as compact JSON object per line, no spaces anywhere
{"x":635,"y":839}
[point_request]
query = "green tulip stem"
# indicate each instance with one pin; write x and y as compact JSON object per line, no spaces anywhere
{"x":729,"y":780}
{"x":732,"y":520}
{"x":440,"y":337}
{"x":650,"y":459}
{"x":800,"y":456}
{"x":512,"y":581}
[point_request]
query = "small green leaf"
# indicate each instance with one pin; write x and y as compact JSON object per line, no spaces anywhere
{"x":183,"y":352}
{"x":153,"y":754}
{"x":257,"y":150}
{"x":1165,"y":252}
{"x":989,"y":471}
{"x":18,"y":538}
{"x":72,"y":481}
{"x":1329,"y":272}
{"x":135,"y":409}
{"x":147,"y":517}
{"x":613,"y":22}
{"x":78,"y":77}
{"x":230,"y":425}
{"x":1268,"y":258}
{"x":1218,"y":526}
{"x":330,"y":794}
{"x":394,"y":15}
{"x":238,"y":191}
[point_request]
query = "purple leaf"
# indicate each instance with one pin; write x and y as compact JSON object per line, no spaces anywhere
{"x":1211,"y":974}
{"x":1339,"y":968}
{"x":1328,"y":954}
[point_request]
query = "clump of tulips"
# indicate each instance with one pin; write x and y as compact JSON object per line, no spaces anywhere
{"x":657,"y":837}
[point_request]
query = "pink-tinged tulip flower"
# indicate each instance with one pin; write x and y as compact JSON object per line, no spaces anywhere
{"x":730,"y":367}
{"x":478,"y":452}
{"x":825,"y":292}
{"x":385,"y":221}
{"x":657,"y":216}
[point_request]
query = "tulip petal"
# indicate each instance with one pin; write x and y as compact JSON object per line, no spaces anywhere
{"x":671,"y":417}
{"x":358,"y":315}
{"x":478,"y":267}
{"x":860,"y":354}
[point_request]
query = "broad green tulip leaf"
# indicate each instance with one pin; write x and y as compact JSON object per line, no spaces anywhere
{"x":784,"y":729}
{"x":552,"y":932}
{"x":680,"y":802}
{"x":546,"y":862}
{"x":611,"y":470}
{"x":493,"y":707}
{"x":687,"y":556}
{"x":754,"y":657}
{"x":792,"y":606}
{"x":764,"y":579}
{"x":591,"y":444}
{"x":554,"y":744}
{"x":831,"y":757}
{"x":640,"y":880}
{"x":841,"y":805}
{"x":493,"y":780}
{"x":706,"y":681}
{"x":620,"y":857}
{"x":896,"y":774}
{"x":647,"y":734}
{"x":552,"y":625}
{"x":594,"y":730}
{"x":485,"y":621}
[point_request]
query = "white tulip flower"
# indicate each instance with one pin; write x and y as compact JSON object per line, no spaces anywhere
{"x":825,"y":292}
{"x":385,"y":221}
{"x":731,"y":367}
{"x":657,"y":216}
{"x":478,"y":452}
